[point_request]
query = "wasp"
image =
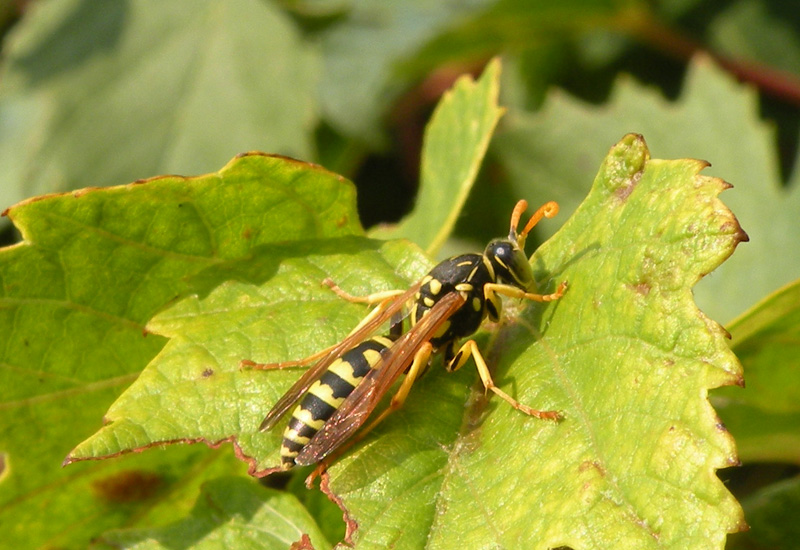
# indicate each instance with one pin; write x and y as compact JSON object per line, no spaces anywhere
{"x":337,"y":395}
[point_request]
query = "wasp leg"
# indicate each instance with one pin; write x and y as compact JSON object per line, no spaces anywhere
{"x":370,"y":299}
{"x":417,"y":367}
{"x":514,"y":292}
{"x":248,"y":364}
{"x":471,"y":348}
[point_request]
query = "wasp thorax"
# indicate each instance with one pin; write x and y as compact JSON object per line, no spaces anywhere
{"x":510,"y":263}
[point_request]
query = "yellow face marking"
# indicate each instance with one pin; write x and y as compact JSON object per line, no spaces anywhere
{"x":476,"y":304}
{"x":428,"y":301}
{"x":305,"y":417}
{"x":464,"y":287}
{"x":325,"y":392}
{"x":426,"y":280}
{"x":435,"y":286}
{"x":489,"y":267}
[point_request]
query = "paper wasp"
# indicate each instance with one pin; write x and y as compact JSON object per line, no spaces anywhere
{"x":339,"y":393}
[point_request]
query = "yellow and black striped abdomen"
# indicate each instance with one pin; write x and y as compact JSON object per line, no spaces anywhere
{"x":327,"y":394}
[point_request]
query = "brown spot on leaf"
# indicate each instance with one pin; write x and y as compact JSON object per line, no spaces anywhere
{"x":587,"y":464}
{"x":341,"y":222}
{"x":643,"y":289}
{"x":127,"y":486}
{"x":247,"y":233}
{"x":207,"y":373}
{"x":624,"y":191}
{"x":303,"y":544}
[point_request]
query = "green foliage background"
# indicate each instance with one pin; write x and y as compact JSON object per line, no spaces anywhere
{"x":102,"y":96}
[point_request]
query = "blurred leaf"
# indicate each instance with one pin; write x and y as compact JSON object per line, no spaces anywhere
{"x":551,"y":154}
{"x":137,"y":89}
{"x":517,"y":25}
{"x":456,"y":140}
{"x":361,"y":52}
{"x":230,"y":513}
{"x":626,"y":355}
{"x":94,"y":266}
{"x":765,"y":418}
{"x":80,"y":503}
{"x":772,"y":515}
{"x":759,"y":31}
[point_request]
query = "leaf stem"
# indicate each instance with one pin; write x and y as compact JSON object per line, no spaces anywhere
{"x":643,"y":26}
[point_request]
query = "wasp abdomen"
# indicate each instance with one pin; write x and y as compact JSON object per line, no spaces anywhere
{"x":327,"y":394}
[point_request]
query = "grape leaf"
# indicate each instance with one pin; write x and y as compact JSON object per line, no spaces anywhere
{"x":94,"y":266}
{"x":230,"y":513}
{"x":270,"y":307}
{"x":137,"y":89}
{"x":625,"y":354}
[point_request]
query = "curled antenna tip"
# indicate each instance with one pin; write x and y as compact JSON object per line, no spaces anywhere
{"x":550,"y":209}
{"x":547,"y":210}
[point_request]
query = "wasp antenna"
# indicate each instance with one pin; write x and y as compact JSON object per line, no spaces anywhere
{"x":521,"y":206}
{"x":547,"y":210}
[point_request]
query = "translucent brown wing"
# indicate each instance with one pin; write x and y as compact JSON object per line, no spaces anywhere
{"x":301,"y":386}
{"x":360,"y":404}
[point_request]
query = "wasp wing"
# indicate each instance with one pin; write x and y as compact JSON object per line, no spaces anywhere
{"x":301,"y":386}
{"x":360,"y":404}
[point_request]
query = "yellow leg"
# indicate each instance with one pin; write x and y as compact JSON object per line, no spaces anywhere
{"x":515,"y":292}
{"x":248,"y":364}
{"x":416,"y":368}
{"x":370,"y":299}
{"x":470,"y":348}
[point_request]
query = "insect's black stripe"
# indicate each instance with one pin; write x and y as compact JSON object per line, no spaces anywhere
{"x":301,"y":428}
{"x":357,"y":359}
{"x":293,"y":446}
{"x":340,"y":387}
{"x":319,"y":409}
